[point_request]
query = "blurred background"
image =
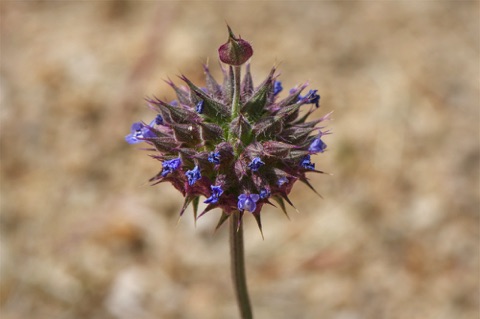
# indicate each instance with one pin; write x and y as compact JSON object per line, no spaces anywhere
{"x":396,"y":235}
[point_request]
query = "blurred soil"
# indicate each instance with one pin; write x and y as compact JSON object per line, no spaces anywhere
{"x":396,"y":235}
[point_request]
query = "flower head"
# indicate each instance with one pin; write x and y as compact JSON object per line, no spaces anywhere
{"x":236,"y":144}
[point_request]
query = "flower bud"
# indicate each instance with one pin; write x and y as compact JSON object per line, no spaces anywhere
{"x":236,"y":51}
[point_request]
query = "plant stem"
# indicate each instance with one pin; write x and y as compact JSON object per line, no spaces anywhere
{"x":236,"y":91}
{"x":238,"y":266}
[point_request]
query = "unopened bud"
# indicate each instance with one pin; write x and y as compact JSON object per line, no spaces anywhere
{"x":236,"y":51}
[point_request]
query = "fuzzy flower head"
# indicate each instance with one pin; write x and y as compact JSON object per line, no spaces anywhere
{"x":237,"y":145}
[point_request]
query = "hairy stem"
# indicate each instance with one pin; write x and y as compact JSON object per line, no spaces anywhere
{"x":236,"y":91}
{"x":238,"y":266}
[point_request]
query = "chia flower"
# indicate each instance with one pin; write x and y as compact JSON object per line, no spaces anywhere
{"x":317,"y":146}
{"x":193,"y":175}
{"x":170,"y":166}
{"x":214,"y":157}
{"x":246,"y":145}
{"x":199,"y":107}
{"x":158,"y":120}
{"x":306,"y":163}
{"x":248,"y":202}
{"x":256,"y":164}
{"x":311,"y":98}
{"x":277,"y":87}
{"x":139,"y":132}
{"x":264,"y":193}
{"x":282,"y":180}
{"x":216,"y":193}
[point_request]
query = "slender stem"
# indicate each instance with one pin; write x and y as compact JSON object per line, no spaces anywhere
{"x":235,"y":102}
{"x":236,"y":91}
{"x":238,"y":266}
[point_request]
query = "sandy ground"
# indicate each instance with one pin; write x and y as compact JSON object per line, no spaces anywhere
{"x":396,"y":234}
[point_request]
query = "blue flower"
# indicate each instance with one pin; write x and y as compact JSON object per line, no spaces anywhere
{"x":317,"y":146}
{"x":307,"y":164}
{"x":158,"y":120}
{"x":214,"y":157}
{"x":264,"y":193}
{"x":193,"y":175}
{"x":256,"y":164}
{"x":248,"y":202}
{"x":277,"y":87}
{"x":199,"y":107}
{"x":282,"y":180}
{"x":170,"y":166}
{"x":138,"y":132}
{"x":311,"y":98}
{"x":217,"y":191}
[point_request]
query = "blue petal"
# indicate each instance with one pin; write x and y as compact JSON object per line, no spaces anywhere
{"x":249,"y":205}
{"x":317,"y":146}
{"x":264,"y":193}
{"x":132,"y":139}
{"x":214,"y":158}
{"x":193,"y":175}
{"x":255,"y":197}
{"x":277,"y":87}
{"x":199,"y":107}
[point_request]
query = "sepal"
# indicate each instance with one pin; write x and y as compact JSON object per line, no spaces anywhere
{"x":254,"y":108}
{"x":268,"y":127}
{"x":241,"y":129}
{"x":183,"y":95}
{"x":222,"y":220}
{"x":164,"y":144}
{"x":187,"y":134}
{"x":214,"y":111}
{"x":212,"y":134}
{"x":258,"y":219}
{"x":280,"y":203}
{"x":175,"y":114}
{"x":212,"y":85}
{"x":292,"y":98}
{"x":278,"y":149}
{"x":247,"y":85}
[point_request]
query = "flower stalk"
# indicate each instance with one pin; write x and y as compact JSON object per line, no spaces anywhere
{"x":236,"y":91}
{"x":237,"y":263}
